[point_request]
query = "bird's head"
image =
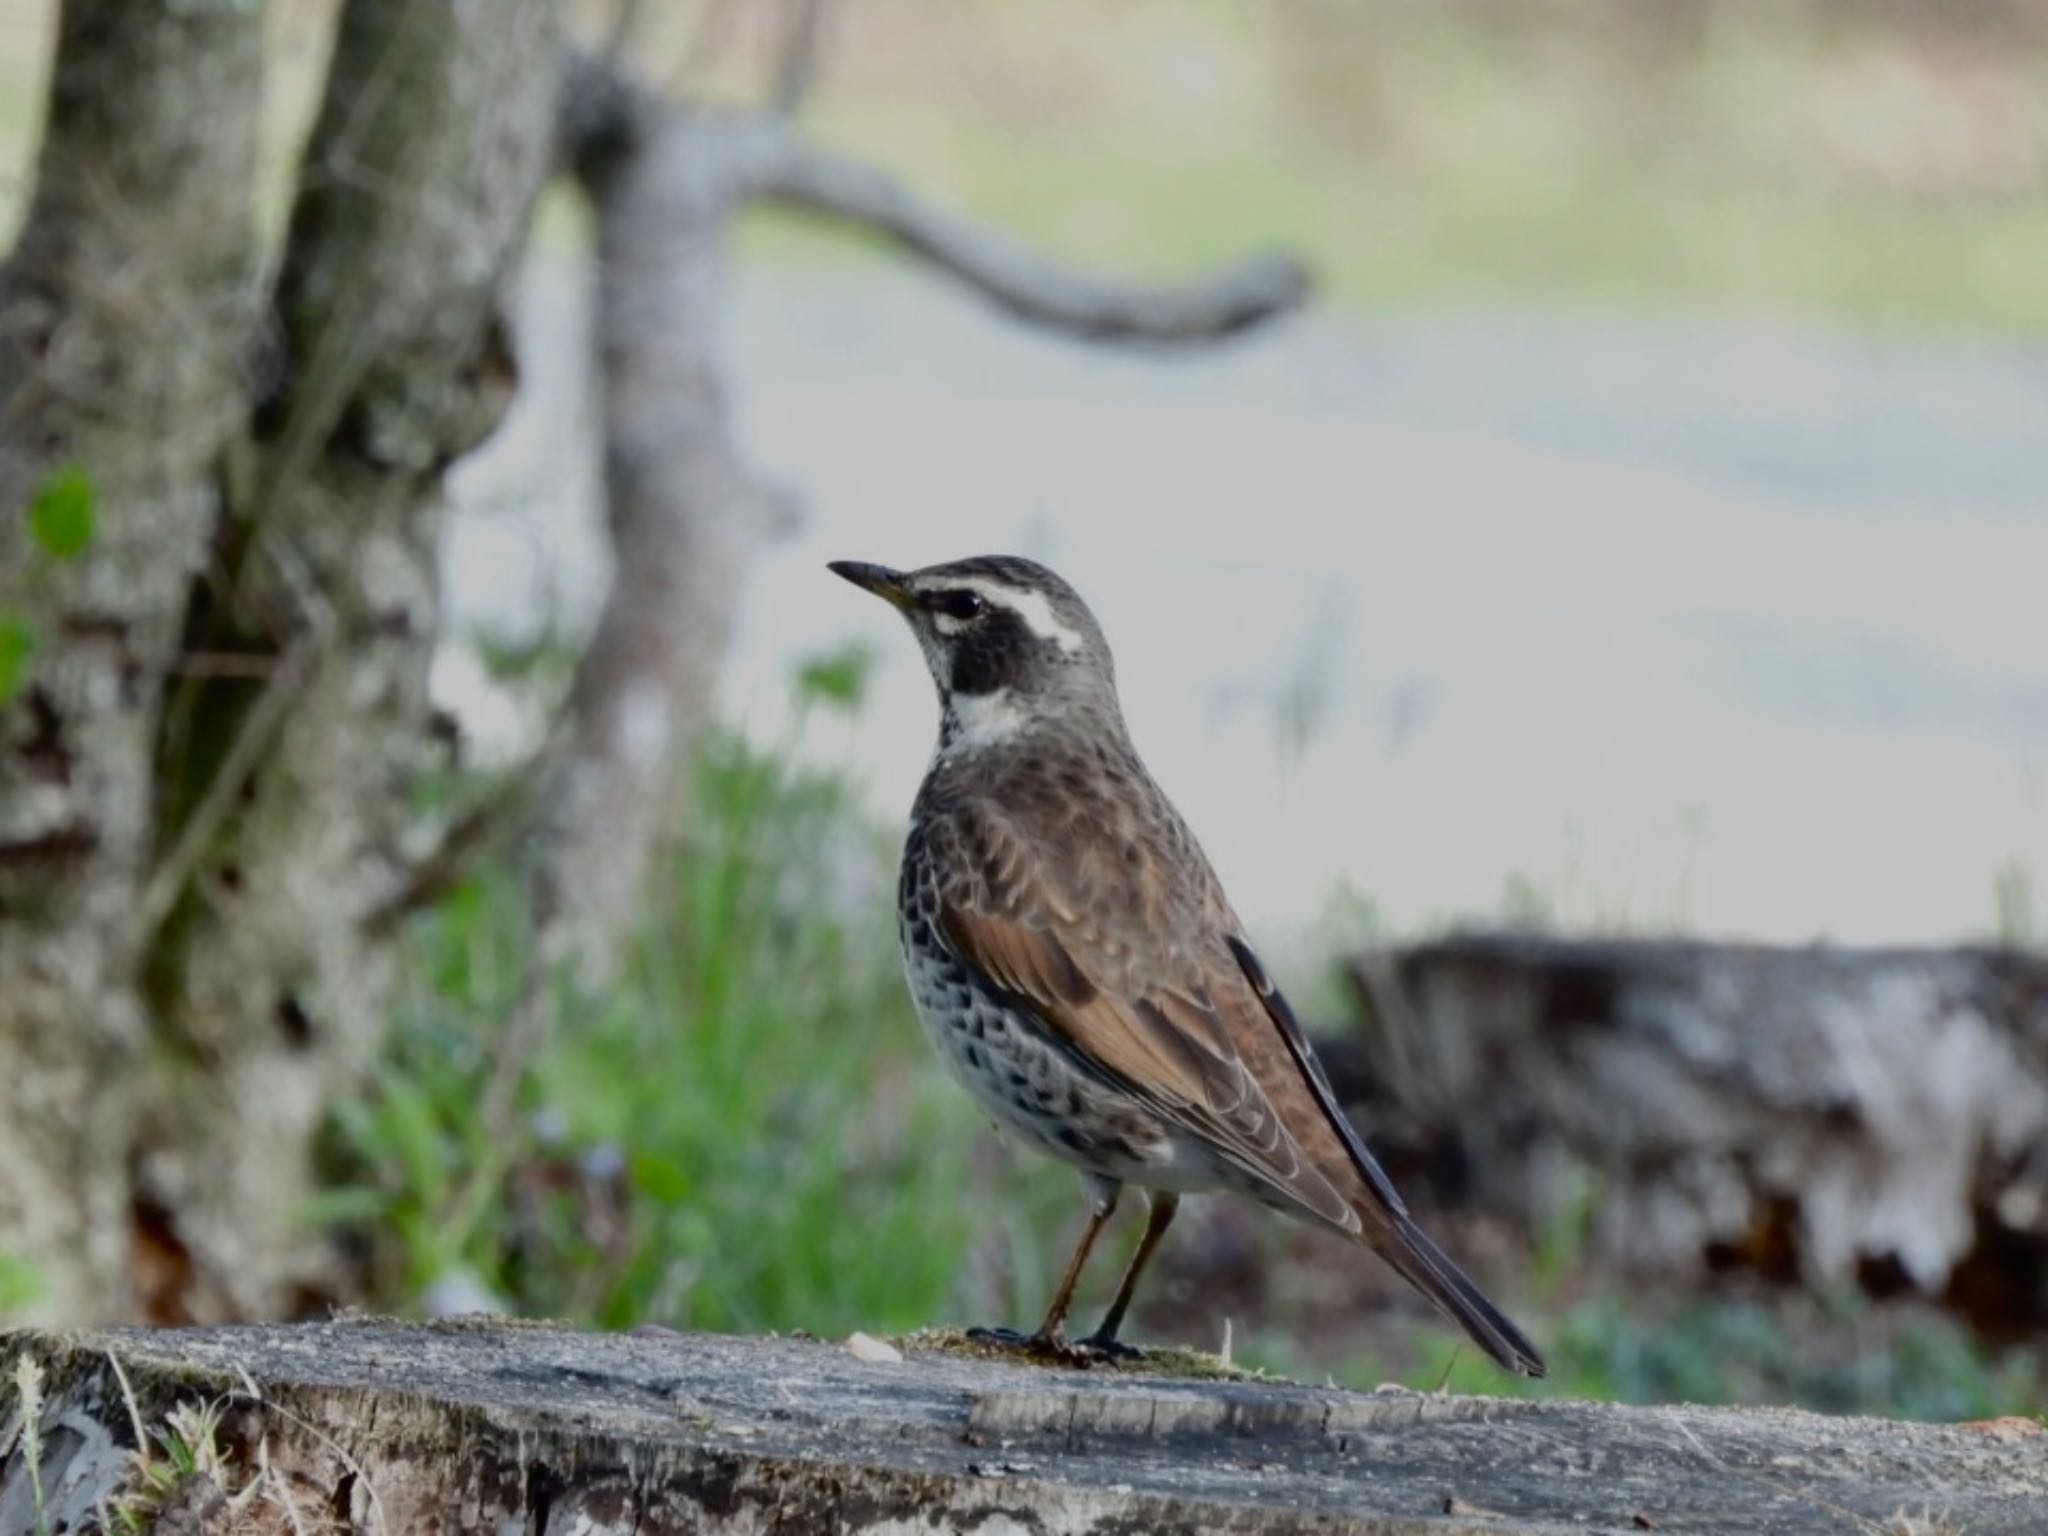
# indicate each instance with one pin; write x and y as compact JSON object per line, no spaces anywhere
{"x":1008,"y":642}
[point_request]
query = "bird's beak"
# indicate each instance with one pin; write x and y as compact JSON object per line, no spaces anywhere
{"x":878,"y":579}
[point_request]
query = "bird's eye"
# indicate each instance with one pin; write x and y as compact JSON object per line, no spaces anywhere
{"x":959,"y":604}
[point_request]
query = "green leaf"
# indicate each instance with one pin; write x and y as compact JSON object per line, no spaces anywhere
{"x":661,"y":1179}
{"x":20,"y":1283}
{"x":61,"y":517}
{"x":838,"y":678}
{"x":17,"y":641}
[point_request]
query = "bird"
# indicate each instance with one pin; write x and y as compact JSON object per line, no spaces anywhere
{"x":1072,"y":956}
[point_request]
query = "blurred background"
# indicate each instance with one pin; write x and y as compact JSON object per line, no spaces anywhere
{"x":1598,"y":638}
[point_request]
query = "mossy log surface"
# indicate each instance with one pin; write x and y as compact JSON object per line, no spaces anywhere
{"x":500,"y":1428}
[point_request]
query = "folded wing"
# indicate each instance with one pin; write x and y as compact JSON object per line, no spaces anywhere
{"x":1159,"y":996}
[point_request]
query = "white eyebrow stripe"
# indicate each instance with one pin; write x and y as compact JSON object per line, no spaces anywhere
{"x":1032,"y":607}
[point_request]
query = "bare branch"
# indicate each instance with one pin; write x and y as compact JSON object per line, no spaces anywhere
{"x":803,"y":46}
{"x":627,"y":15}
{"x":686,"y":511}
{"x":790,"y":170}
{"x":709,"y":37}
{"x":756,"y":156}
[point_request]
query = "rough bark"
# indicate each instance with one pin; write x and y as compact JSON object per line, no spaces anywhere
{"x":189,"y":857}
{"x":124,"y":310}
{"x":1821,"y":1115}
{"x":381,"y":1427}
{"x":289,"y":797}
{"x":686,"y":512}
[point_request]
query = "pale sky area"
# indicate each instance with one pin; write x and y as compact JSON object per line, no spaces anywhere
{"x":1733,"y":630}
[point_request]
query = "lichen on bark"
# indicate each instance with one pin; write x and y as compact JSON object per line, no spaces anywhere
{"x":189,"y":860}
{"x":122,"y":308}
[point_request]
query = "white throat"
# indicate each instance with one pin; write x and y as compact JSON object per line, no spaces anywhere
{"x":974,"y":721}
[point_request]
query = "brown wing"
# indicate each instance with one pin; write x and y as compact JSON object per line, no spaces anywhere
{"x":1148,"y":994}
{"x":1158,"y":994}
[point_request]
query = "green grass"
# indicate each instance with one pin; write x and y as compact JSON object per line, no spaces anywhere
{"x":740,"y":1134}
{"x":21,"y":1285}
{"x":743,"y":1130}
{"x":1712,"y":1349}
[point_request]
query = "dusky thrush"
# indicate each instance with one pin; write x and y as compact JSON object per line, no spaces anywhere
{"x":1076,"y":963}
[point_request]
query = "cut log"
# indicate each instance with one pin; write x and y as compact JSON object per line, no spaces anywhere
{"x":499,"y":1427}
{"x":1819,"y":1115}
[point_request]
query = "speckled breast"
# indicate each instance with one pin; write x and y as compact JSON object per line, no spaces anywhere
{"x":1030,"y":1085}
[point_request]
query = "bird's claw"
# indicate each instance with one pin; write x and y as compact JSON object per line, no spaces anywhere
{"x":1109,"y":1349}
{"x":1056,"y":1348}
{"x":1037,"y":1346}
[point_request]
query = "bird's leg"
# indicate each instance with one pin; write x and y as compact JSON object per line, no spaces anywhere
{"x":1051,"y":1338}
{"x":1103,"y":1339}
{"x":1052,"y":1333}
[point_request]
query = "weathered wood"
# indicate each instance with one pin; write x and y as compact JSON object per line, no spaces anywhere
{"x":380,"y":1426}
{"x":1826,"y":1115}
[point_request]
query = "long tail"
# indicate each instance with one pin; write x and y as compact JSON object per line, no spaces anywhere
{"x":1383,"y":1220}
{"x":1429,"y":1269}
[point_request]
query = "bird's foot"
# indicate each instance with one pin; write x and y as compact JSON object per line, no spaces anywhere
{"x":1036,"y":1346}
{"x":1110,"y":1349}
{"x":1055,"y":1348}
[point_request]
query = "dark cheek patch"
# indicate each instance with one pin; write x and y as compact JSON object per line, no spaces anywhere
{"x":974,"y":669}
{"x":992,"y":654}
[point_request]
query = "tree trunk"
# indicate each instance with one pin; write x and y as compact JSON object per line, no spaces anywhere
{"x":1824,"y":1116}
{"x":686,"y":513}
{"x":270,"y":976}
{"x":123,"y":312}
{"x":483,"y":1427}
{"x":206,"y":778}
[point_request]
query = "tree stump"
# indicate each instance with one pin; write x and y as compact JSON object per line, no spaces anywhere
{"x":1822,"y":1115}
{"x":498,"y":1427}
